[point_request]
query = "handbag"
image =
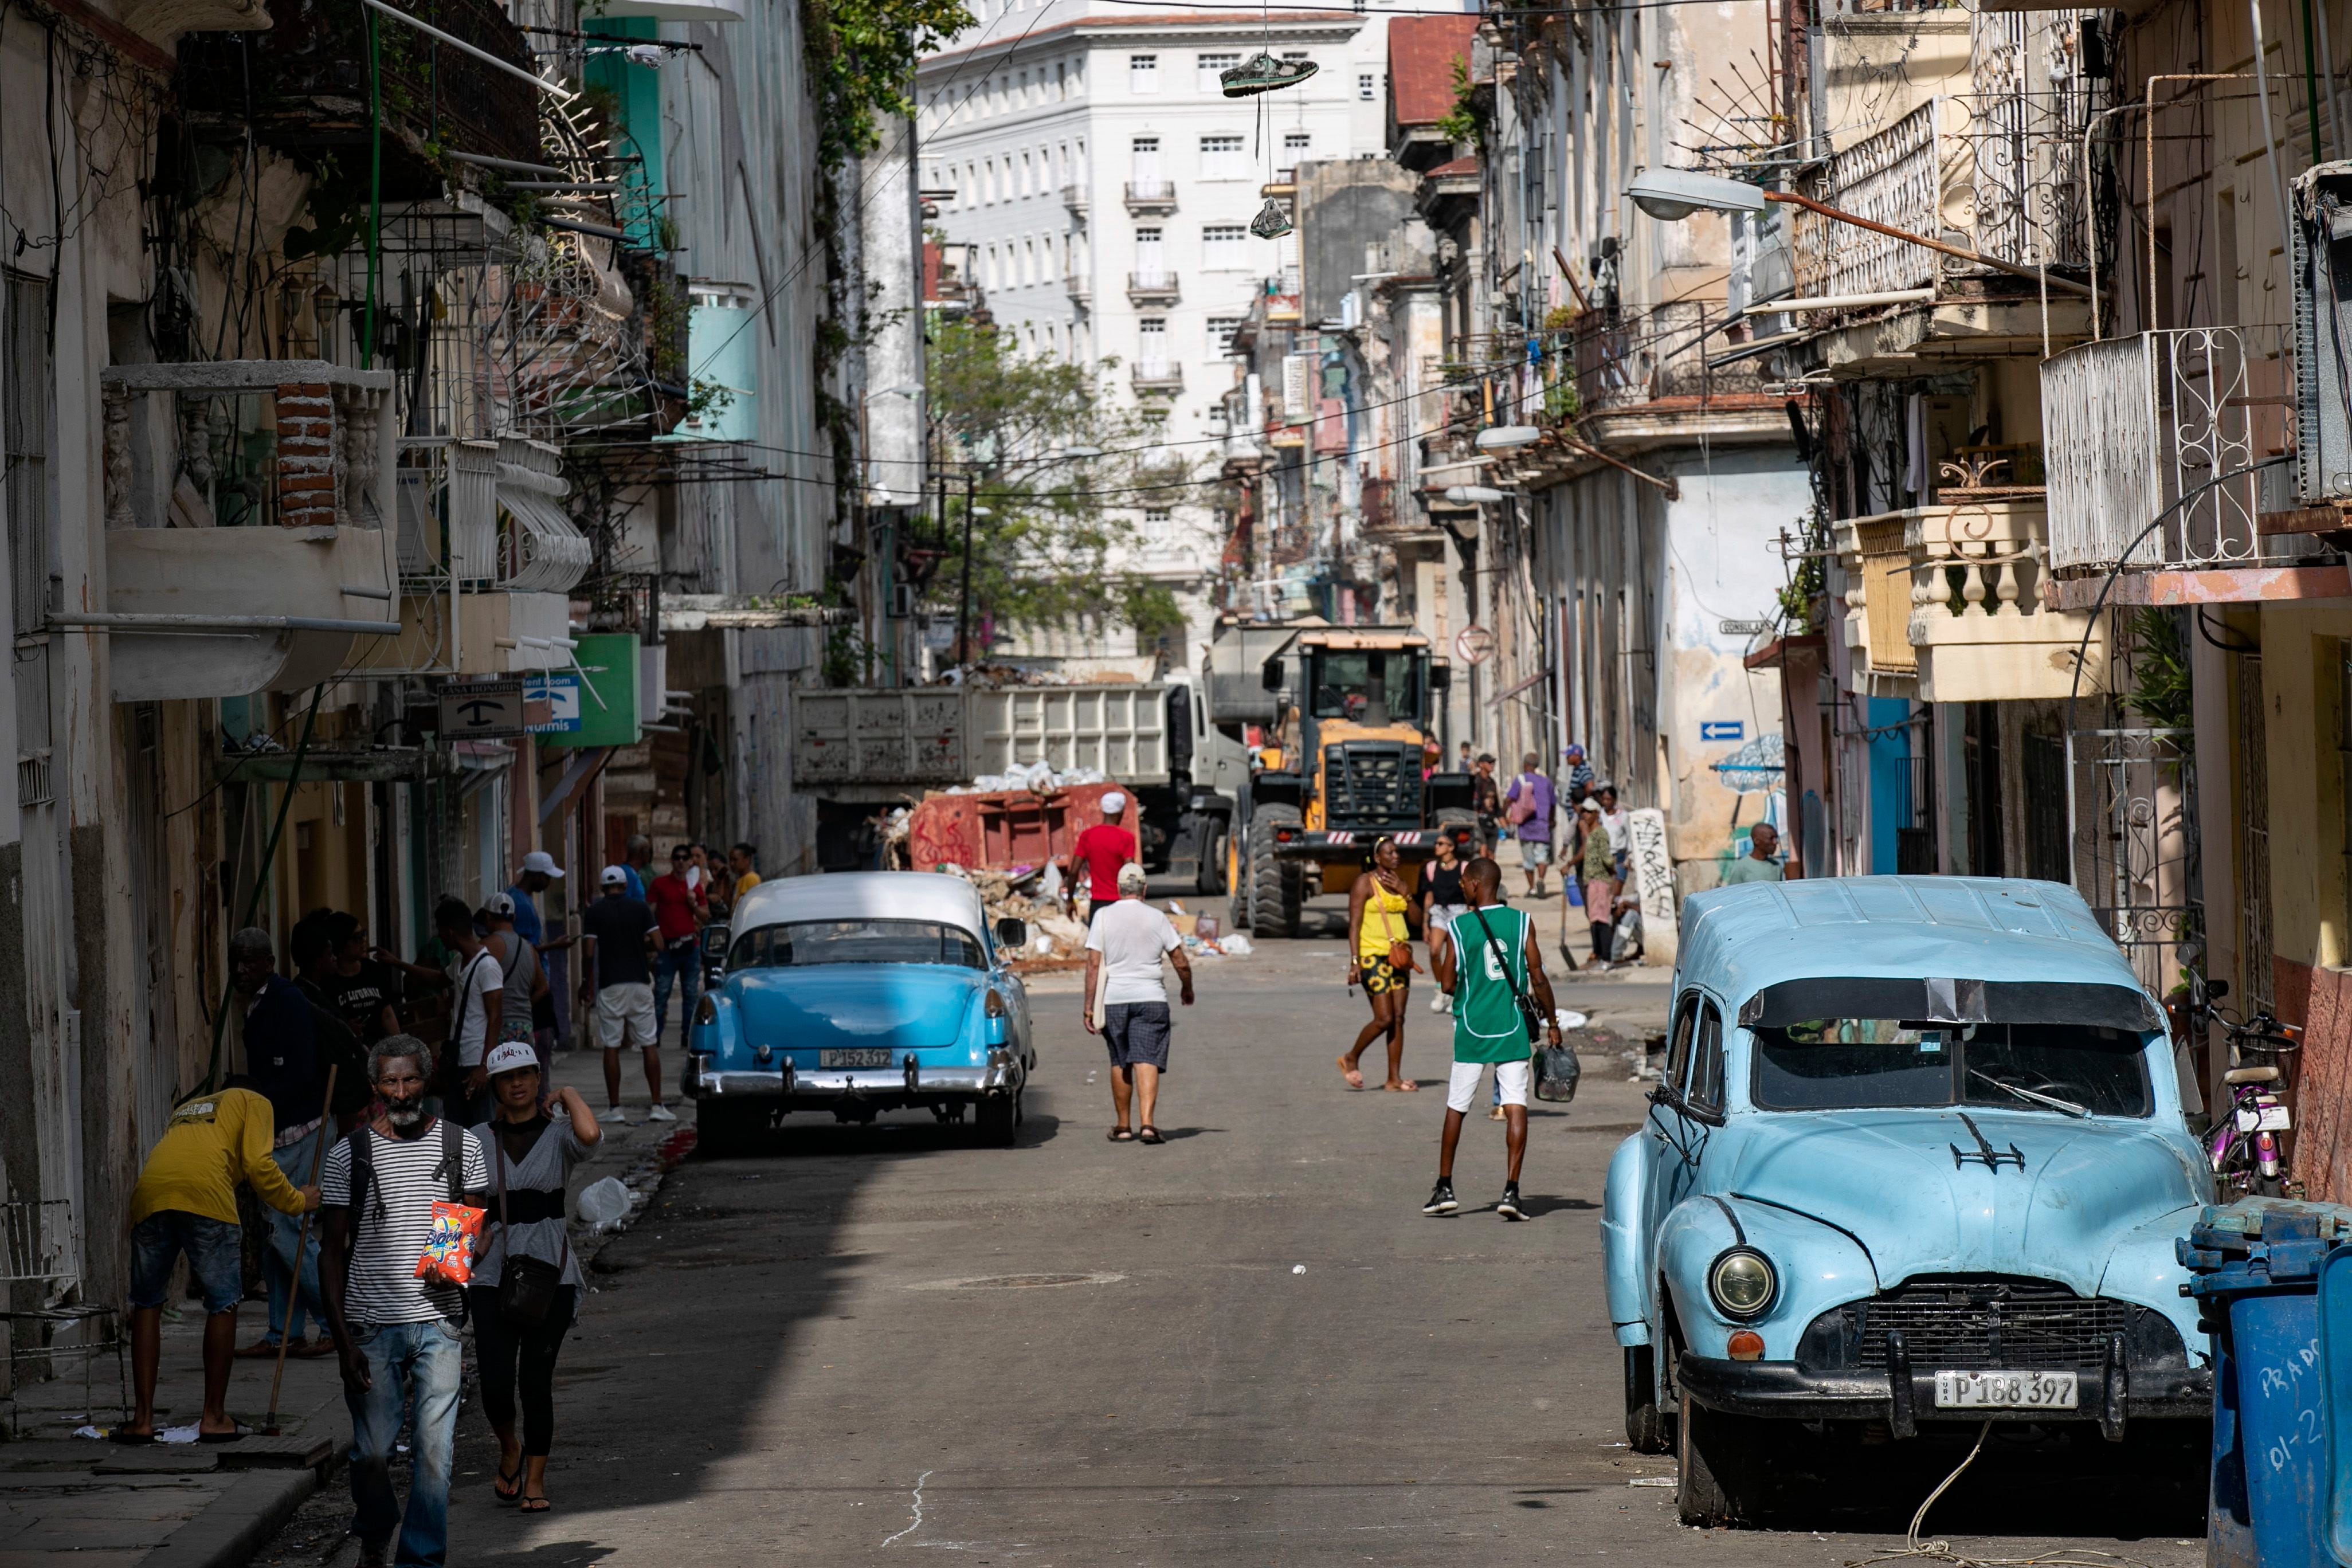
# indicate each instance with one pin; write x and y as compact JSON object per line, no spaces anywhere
{"x":527,"y":1286}
{"x":1530,"y":1012}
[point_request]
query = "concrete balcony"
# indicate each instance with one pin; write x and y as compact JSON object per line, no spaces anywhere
{"x":1152,"y":288}
{"x":1080,"y":289}
{"x":1076,"y":200}
{"x":2162,"y":453}
{"x":1978,"y":629}
{"x":195,"y":609}
{"x":462,"y":632}
{"x":1151,"y":198}
{"x":1158,"y":377}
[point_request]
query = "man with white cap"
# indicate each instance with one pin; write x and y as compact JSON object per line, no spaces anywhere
{"x":1124,"y":942}
{"x":539,"y":870}
{"x":624,"y":938}
{"x":1101,"y":850}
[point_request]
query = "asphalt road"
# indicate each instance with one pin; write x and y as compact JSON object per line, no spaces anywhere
{"x":1247,"y":1346}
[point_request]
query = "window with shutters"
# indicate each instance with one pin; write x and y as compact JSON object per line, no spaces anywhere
{"x":1213,"y":68}
{"x":1143,"y":73}
{"x":1368,"y":86}
{"x":27,"y":437}
{"x":1224,"y":158}
{"x":1224,"y":246}
{"x":1221,"y":334}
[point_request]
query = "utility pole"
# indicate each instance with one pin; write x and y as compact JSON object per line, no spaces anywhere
{"x":963,"y":599}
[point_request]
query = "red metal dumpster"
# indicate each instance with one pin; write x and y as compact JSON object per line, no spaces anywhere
{"x":1002,"y":830}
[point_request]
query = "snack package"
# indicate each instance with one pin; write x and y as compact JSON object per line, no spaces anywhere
{"x":449,"y":1252}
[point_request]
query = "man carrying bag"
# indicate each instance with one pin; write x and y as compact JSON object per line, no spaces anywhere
{"x":1502,"y":1005}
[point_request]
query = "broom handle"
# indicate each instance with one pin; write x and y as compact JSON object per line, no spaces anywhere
{"x":301,"y":1244}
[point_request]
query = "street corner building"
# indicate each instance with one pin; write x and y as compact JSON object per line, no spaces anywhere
{"x":402,"y":477}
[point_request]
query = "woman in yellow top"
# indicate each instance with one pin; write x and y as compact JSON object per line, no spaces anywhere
{"x":1380,"y":920}
{"x":185,"y":1202}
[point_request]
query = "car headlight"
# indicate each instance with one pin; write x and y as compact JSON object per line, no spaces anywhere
{"x":1742,"y":1282}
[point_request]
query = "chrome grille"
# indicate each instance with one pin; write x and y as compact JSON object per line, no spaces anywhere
{"x":1990,"y":1325}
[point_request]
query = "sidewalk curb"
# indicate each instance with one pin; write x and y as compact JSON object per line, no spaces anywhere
{"x":227,"y":1533}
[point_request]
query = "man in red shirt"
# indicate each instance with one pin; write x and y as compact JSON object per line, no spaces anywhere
{"x":682,"y":909}
{"x":1101,"y":851}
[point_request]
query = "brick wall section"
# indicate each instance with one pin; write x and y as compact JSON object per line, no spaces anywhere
{"x":2321,"y":1001}
{"x":306,"y":455}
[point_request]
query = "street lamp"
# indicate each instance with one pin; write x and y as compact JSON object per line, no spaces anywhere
{"x":1509,"y":437}
{"x":1673,"y":195}
{"x":1465,"y":494}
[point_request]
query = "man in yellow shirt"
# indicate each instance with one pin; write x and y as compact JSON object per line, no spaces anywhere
{"x":744,"y":861}
{"x":185,"y":1202}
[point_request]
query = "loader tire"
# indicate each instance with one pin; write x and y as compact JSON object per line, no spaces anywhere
{"x":1273,"y":887}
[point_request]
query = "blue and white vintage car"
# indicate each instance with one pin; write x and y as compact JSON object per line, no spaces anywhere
{"x":859,"y":993}
{"x":1918,"y":1157}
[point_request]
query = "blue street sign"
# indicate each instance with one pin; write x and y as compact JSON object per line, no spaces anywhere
{"x":1722,"y":729}
{"x":561,"y":695}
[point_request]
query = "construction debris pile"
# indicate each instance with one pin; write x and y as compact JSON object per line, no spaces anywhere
{"x":1033,"y":895}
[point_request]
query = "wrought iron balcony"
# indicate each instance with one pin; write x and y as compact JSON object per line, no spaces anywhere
{"x":1997,"y":170}
{"x":1159,"y":376}
{"x":304,"y":83}
{"x":2158,"y":450}
{"x":1626,"y":356}
{"x":1151,"y":198}
{"x":1153,"y":288}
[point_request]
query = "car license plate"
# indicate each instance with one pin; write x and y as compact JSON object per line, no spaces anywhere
{"x":863,"y":1056}
{"x":2005,"y":1391}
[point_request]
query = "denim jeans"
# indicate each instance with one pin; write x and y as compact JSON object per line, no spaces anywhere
{"x":287,"y":1302}
{"x":406,"y":1361}
{"x":682,"y":962}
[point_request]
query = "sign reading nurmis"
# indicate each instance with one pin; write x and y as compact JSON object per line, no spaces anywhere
{"x":1474,"y":645}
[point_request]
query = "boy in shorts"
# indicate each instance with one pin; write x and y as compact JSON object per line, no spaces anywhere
{"x":1489,"y":962}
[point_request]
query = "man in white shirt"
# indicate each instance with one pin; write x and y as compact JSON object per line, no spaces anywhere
{"x":1127,"y":1001}
{"x":474,"y":1011}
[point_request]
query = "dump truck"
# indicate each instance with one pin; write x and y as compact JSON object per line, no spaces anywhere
{"x":1317,"y":732}
{"x":858,"y":751}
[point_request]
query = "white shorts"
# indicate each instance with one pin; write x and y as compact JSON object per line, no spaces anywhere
{"x":1462,"y":1088}
{"x":627,"y":1010}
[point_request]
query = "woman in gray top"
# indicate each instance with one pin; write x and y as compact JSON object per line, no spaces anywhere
{"x":530,"y":1145}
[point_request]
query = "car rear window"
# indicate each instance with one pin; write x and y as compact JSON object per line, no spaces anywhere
{"x":800,"y":944}
{"x":1849,"y":1064}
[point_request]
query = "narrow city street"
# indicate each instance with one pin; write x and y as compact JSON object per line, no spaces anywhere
{"x":1246,"y":1346}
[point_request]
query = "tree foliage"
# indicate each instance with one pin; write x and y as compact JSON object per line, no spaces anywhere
{"x":861,"y":56}
{"x":1061,"y":473}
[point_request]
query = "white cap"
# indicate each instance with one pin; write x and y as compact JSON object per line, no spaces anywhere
{"x":541,"y":861}
{"x":510,"y":1056}
{"x":615,"y":877}
{"x":1112,"y":801}
{"x":1131,"y":878}
{"x":501,"y":904}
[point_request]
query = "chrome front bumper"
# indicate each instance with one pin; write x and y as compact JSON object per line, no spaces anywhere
{"x":910,"y":1082}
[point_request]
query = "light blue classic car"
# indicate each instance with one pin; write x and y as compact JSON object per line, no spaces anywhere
{"x":1918,"y":1157}
{"x":859,"y":993}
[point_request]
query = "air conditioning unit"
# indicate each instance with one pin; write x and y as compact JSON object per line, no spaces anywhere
{"x":2322,"y":333}
{"x":905,"y":599}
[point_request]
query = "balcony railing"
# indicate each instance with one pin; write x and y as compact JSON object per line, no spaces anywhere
{"x":1076,"y":199}
{"x":2000,"y":169}
{"x":1153,"y":288}
{"x":1079,"y":287}
{"x":1626,"y":356}
{"x":1145,"y":196}
{"x":2151,"y":444}
{"x":1159,"y":375}
{"x":1978,"y":629}
{"x":303,"y":87}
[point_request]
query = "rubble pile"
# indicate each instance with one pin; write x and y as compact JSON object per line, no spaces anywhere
{"x":1039,"y":777}
{"x":1033,"y":894}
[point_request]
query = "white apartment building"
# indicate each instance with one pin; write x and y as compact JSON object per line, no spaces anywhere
{"x":1107,"y":185}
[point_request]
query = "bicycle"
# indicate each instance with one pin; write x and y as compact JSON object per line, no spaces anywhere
{"x":2243,"y":1146}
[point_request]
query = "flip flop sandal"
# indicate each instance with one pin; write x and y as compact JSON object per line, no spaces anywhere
{"x":500,"y":1490}
{"x":1150,"y":1135}
{"x":1120,"y":1135}
{"x":536,"y":1505}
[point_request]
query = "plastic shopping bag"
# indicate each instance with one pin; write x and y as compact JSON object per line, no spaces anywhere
{"x":449,"y":1250}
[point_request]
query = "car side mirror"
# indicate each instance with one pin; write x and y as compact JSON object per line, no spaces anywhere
{"x":1270,"y":676}
{"x":1012,"y":933}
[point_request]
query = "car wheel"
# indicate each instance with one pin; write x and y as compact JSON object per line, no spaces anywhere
{"x":1275,"y":888}
{"x":722,"y":1131}
{"x":1645,"y":1424}
{"x":1718,"y":1457}
{"x":998,"y":1116}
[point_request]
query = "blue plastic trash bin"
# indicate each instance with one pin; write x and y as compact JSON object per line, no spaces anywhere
{"x":2256,"y":1268}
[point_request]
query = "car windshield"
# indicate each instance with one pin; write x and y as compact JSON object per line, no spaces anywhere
{"x":801,"y":944}
{"x":1849,"y":1064}
{"x":1347,"y":680}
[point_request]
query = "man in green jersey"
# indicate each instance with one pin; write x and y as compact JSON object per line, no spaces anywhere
{"x":1492,"y":960}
